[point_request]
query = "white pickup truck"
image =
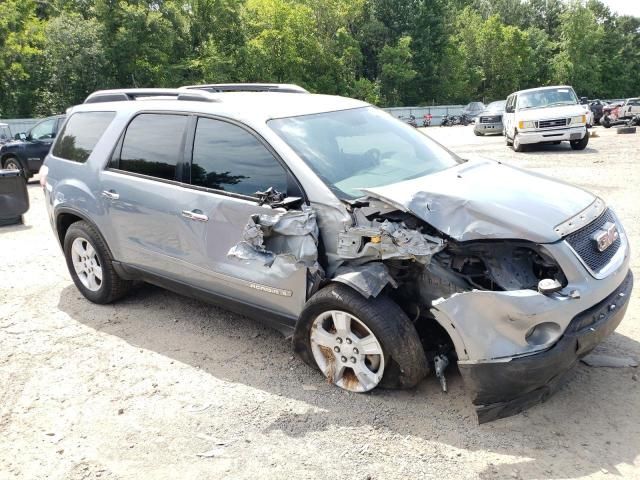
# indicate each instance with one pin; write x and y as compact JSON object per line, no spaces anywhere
{"x":545,"y":115}
{"x":630,"y":108}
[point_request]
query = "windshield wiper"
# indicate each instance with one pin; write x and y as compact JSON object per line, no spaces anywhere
{"x":560,"y":103}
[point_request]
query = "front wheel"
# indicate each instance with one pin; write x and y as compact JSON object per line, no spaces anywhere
{"x":606,"y":123}
{"x":580,"y":144}
{"x":517,"y":146}
{"x":358,"y":343}
{"x":12,"y":163}
{"x":477,"y":133}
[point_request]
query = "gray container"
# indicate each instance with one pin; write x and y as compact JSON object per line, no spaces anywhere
{"x":14,"y":198}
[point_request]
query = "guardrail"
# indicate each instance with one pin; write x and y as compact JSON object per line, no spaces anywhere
{"x":437,"y":111}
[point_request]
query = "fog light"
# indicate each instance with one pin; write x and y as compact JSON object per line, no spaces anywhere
{"x":543,"y":333}
{"x":549,"y":285}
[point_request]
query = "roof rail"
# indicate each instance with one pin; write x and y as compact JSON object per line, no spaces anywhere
{"x":128,"y":94}
{"x":247,"y":87}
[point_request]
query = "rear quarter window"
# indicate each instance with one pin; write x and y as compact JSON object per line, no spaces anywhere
{"x":80,"y":135}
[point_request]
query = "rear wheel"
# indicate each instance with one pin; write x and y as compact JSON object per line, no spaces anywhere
{"x":606,"y":123}
{"x":357,"y":343}
{"x":580,"y":144}
{"x":91,"y":265}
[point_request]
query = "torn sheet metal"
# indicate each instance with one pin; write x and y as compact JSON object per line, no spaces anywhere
{"x":368,"y":279}
{"x":286,"y":241}
{"x":485,"y":199}
{"x":386,"y":240}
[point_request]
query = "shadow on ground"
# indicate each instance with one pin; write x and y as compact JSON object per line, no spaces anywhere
{"x":233,"y":348}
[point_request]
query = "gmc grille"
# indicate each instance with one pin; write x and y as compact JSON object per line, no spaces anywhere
{"x":585,"y":246}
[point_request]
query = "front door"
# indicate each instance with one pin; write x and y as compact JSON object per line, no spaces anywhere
{"x":39,"y":143}
{"x":229,"y":165}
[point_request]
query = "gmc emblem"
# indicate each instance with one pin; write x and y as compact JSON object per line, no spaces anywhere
{"x":605,"y":236}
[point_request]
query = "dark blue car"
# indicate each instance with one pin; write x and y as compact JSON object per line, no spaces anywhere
{"x":27,"y":152}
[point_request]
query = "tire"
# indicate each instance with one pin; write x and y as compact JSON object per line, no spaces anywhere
{"x":111,"y":287}
{"x":517,"y":146}
{"x":621,"y":130}
{"x":556,"y":143}
{"x":606,"y":123}
{"x":507,"y":140}
{"x":477,"y":133}
{"x":403,"y":358}
{"x":12,"y":163}
{"x":580,"y":144}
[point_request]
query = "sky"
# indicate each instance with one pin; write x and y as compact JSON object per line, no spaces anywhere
{"x":624,"y":7}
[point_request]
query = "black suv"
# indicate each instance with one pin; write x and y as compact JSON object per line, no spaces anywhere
{"x":27,"y":152}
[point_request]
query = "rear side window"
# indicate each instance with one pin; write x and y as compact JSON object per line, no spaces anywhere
{"x":80,"y":134}
{"x":153,"y":145}
{"x":227,"y":157}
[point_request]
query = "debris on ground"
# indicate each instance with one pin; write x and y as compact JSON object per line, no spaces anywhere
{"x":601,"y":360}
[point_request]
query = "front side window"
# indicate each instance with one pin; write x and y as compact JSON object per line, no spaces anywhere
{"x":227,"y":157}
{"x":80,"y":134}
{"x":44,"y":130}
{"x":548,"y":97}
{"x":152,"y":145}
{"x":361,"y":148}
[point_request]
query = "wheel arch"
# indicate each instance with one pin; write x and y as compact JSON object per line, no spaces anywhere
{"x":64,"y":217}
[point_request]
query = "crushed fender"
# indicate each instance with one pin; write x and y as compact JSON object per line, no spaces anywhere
{"x":371,"y":240}
{"x":368,"y":279}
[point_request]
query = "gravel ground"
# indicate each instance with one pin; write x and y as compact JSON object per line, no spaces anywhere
{"x":163,"y":387}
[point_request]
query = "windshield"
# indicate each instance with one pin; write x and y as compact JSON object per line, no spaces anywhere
{"x":361,"y":148}
{"x":496,"y":107}
{"x":549,"y":97}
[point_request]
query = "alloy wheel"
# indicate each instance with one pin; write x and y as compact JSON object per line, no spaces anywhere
{"x":86,"y":264}
{"x":347,"y":351}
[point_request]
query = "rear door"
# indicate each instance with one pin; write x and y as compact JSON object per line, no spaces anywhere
{"x":141,"y":195}
{"x":229,"y":164}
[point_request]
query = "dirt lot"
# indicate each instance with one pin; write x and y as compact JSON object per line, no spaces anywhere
{"x":139,"y":389}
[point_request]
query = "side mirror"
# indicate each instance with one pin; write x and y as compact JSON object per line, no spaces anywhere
{"x":509,"y":109}
{"x":21,"y":136}
{"x":584,"y":100}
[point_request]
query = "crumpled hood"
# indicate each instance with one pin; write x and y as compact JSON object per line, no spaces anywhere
{"x":550,"y":113}
{"x":483,"y":199}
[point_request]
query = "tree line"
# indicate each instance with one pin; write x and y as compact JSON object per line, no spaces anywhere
{"x":388,"y":52}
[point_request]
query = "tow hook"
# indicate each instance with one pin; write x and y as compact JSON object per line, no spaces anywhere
{"x":441,"y":362}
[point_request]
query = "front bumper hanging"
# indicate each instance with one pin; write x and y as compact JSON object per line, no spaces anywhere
{"x":502,"y":389}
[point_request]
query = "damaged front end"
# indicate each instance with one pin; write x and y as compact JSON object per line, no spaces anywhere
{"x":504,"y":309}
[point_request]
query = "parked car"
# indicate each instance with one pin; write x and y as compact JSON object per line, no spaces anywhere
{"x":612,"y":115}
{"x":5,"y":133}
{"x":630,"y":108}
{"x":545,"y":115}
{"x":490,"y":119}
{"x":596,"y":107}
{"x":27,"y":152}
{"x":473,"y":109}
{"x":584,"y":101}
{"x":381,"y":253}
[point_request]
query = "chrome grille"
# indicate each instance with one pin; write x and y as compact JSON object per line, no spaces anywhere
{"x":491,"y":119}
{"x":585,"y":246}
{"x":559,"y":122}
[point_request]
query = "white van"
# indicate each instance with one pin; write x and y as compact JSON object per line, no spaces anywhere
{"x":545,"y":115}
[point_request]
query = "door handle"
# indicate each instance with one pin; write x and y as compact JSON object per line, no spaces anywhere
{"x":111,"y":194}
{"x":196,"y":215}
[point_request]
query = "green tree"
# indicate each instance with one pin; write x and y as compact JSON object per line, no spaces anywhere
{"x":396,"y":70}
{"x":75,"y":62}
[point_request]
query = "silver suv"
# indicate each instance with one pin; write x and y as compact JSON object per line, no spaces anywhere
{"x":381,"y":253}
